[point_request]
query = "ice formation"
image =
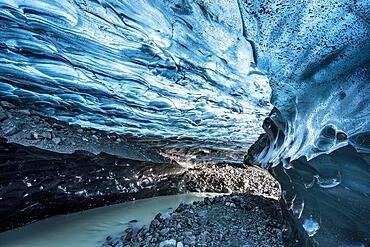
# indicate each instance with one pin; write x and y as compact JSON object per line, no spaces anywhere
{"x":206,"y":74}
{"x":150,"y":69}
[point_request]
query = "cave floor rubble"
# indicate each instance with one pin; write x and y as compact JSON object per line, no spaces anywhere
{"x":232,"y":220}
{"x":247,"y":214}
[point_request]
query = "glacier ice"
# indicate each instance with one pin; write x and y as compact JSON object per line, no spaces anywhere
{"x":316,"y":54}
{"x":208,"y":74}
{"x":317,"y":57}
{"x":150,"y":69}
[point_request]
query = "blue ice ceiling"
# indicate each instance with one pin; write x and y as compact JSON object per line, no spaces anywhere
{"x":212,"y":74}
{"x":146,"y":68}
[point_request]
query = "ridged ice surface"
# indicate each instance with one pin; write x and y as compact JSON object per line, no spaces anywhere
{"x":317,"y":56}
{"x":193,"y":71}
{"x":162,"y":69}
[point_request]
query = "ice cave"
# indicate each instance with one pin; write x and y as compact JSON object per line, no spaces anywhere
{"x":179,"y":123}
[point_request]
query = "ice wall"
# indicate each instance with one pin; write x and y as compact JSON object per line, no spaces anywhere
{"x":316,"y":54}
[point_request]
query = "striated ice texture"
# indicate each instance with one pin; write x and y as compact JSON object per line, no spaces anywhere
{"x":150,"y":69}
{"x":317,"y":142}
{"x":316,"y":55}
{"x":206,"y":74}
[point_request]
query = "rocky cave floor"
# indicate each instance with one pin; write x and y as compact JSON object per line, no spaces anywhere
{"x":248,"y":214}
{"x":226,"y":178}
{"x":238,"y":219}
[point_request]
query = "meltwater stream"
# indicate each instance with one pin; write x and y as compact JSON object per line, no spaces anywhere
{"x":90,"y":228}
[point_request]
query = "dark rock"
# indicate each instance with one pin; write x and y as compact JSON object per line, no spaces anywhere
{"x":11,"y":129}
{"x":34,"y":136}
{"x":164,"y":231}
{"x":3,"y":116}
{"x":129,"y":234}
{"x":25,"y":112}
{"x":7,"y":105}
{"x":56,"y":140}
{"x":47,"y":135}
{"x":168,"y":243}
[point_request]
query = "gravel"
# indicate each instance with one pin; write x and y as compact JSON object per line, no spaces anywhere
{"x":226,"y":178}
{"x":249,"y":217}
{"x":238,"y":219}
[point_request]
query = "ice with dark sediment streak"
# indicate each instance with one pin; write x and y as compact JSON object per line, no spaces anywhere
{"x":317,"y":57}
{"x":204,"y":71}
